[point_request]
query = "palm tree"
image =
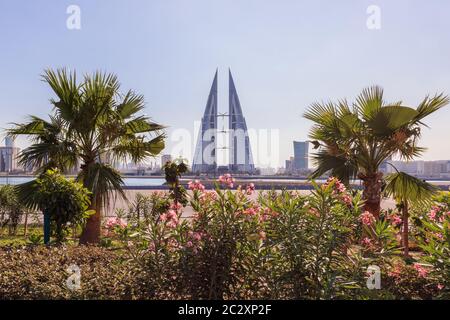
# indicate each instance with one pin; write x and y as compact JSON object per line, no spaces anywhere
{"x":354,"y":141}
{"x":92,"y":126}
{"x":407,"y":190}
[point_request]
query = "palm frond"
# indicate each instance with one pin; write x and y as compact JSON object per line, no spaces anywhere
{"x":431,"y":105}
{"x":338,"y":165}
{"x":405,"y":187}
{"x":369,"y":101}
{"x":103,"y":181}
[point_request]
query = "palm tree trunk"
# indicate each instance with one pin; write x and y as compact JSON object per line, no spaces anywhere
{"x":372,"y":192}
{"x":91,"y":232}
{"x":25,"y":228}
{"x":405,"y":231}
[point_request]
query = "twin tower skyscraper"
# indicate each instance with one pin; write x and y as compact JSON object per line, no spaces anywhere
{"x":240,"y":154}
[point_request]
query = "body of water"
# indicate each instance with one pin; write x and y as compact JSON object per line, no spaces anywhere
{"x":154,"y":183}
{"x":128,"y":181}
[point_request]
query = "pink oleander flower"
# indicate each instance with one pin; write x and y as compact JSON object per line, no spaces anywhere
{"x":196,"y":185}
{"x":267,"y":214}
{"x":170,"y":218}
{"x":113,"y":222}
{"x":207,"y":196}
{"x":440,"y":286}
{"x":314,"y":212}
{"x":197,"y":236}
{"x":251,"y":211}
{"x":262,"y":235}
{"x":171,"y":214}
{"x":176,"y":206}
{"x":172,"y":224}
{"x":339,"y":187}
{"x":432,"y":214}
{"x":421,"y":270}
{"x":438,"y":235}
{"x":366,"y":218}
{"x":347,"y":199}
{"x":395,"y":219}
{"x":367,"y":242}
{"x":227,"y":180}
{"x":250,"y":189}
{"x":189,"y":244}
{"x":396,"y":271}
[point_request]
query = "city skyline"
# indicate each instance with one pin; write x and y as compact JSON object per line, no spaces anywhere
{"x":283,"y":64}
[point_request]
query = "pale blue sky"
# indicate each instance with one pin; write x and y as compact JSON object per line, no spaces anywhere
{"x":284,"y":55}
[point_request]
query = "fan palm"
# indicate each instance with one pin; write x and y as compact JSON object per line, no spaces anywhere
{"x":353,"y":141}
{"x":93,"y":126}
{"x":406,"y":190}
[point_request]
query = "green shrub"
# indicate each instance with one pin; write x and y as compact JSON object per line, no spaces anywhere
{"x":65,"y":200}
{"x":11,"y":209}
{"x":38,"y":272}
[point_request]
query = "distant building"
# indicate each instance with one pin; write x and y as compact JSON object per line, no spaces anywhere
{"x":165,"y":158}
{"x":268,"y":171}
{"x":423,"y":169}
{"x":301,"y":155}
{"x":289,"y":165}
{"x":8,"y":156}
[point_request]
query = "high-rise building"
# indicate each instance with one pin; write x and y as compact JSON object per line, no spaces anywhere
{"x":301,"y":155}
{"x":8,"y":156}
{"x":205,"y":151}
{"x":240,"y":154}
{"x":289,"y":165}
{"x":241,"y":159}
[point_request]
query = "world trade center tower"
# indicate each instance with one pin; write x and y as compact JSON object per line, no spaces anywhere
{"x":240,"y":154}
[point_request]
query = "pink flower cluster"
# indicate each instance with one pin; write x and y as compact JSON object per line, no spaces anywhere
{"x":367,"y":242}
{"x":196,"y":185}
{"x":437,"y":214}
{"x":347,"y":199}
{"x":194,"y":238}
{"x":113,"y":222}
{"x":339,"y":187}
{"x":227,"y":180}
{"x":314,"y":212}
{"x":250,"y":189}
{"x":396,"y":271}
{"x":395,"y":219}
{"x":421,"y":270}
{"x":170,"y":218}
{"x":252,"y":211}
{"x":366,"y":218}
{"x":268,"y":214}
{"x":207,"y":196}
{"x":262,"y":235}
{"x":176,"y":206}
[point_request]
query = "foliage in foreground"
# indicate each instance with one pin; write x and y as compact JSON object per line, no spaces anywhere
{"x":64,"y":200}
{"x":354,"y":140}
{"x":282,"y":245}
{"x":93,"y":125}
